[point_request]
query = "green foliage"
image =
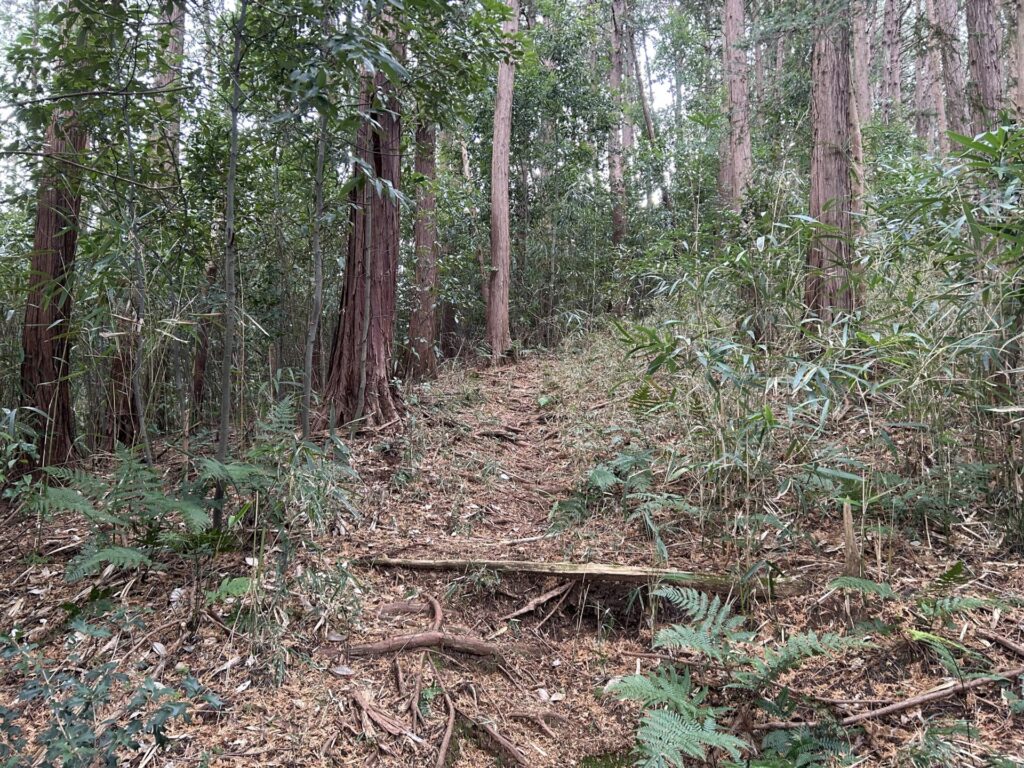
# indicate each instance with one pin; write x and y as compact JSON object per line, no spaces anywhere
{"x":74,"y":724}
{"x":678,"y":722}
{"x":863,"y":587}
{"x":714,"y":630}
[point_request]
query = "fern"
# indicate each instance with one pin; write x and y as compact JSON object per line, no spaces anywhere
{"x":120,"y":557}
{"x":666,"y":738}
{"x":665,"y":687}
{"x":714,"y":630}
{"x":797,"y":649}
{"x":944,"y":608}
{"x":863,"y":586}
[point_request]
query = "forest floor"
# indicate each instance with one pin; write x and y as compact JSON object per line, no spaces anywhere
{"x":473,"y":474}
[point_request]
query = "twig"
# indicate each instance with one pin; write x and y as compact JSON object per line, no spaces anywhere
{"x":431,"y":639}
{"x":899,"y":706}
{"x":554,"y":610}
{"x":1008,"y":644}
{"x":540,"y":719}
{"x":540,"y":600}
{"x":499,"y":742}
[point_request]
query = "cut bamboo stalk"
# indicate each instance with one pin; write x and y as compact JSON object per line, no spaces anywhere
{"x":629,"y":574}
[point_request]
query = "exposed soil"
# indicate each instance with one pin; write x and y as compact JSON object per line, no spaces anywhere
{"x":473,"y":475}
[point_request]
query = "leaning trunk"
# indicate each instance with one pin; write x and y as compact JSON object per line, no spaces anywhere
{"x":46,"y":365}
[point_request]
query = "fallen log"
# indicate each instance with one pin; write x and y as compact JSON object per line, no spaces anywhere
{"x":900,"y":706}
{"x":629,"y":574}
{"x":430,"y":639}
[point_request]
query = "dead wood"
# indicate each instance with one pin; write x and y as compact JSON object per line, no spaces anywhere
{"x":1006,"y":642}
{"x":430,"y":639}
{"x":630,"y":574}
{"x":540,"y":719}
{"x":499,"y":743}
{"x":404,"y":608}
{"x":449,"y":728}
{"x":539,"y":600}
{"x":900,"y":706}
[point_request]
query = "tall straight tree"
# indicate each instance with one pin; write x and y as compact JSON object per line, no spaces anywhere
{"x":499,"y":336}
{"x":734,"y":174}
{"x":230,"y":254}
{"x":935,"y":93}
{"x":1019,"y":72}
{"x":954,"y":82}
{"x":616,"y":160}
{"x":861,"y":64}
{"x":359,"y":387}
{"x":829,"y":290}
{"x":892,"y":53}
{"x":423,"y":320}
{"x":316,"y":305}
{"x":46,"y":346}
{"x":986,"y":83}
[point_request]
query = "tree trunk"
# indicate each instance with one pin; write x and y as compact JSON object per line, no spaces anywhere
{"x":861,"y":93}
{"x":986,"y":84}
{"x":1019,"y":91}
{"x":46,"y":365}
{"x":829,"y":290}
{"x":734,"y":176}
{"x":359,"y":389}
{"x":953,"y":77}
{"x":935,"y":95}
{"x":316,"y":307}
{"x":168,"y":78}
{"x":498,"y":334}
{"x":892,"y":48}
{"x":227,"y":353}
{"x":616,"y":162}
{"x":423,"y":321}
{"x":924,"y":114}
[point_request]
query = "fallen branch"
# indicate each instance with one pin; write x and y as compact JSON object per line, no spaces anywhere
{"x":442,"y":752}
{"x":630,"y":574}
{"x":540,"y":720}
{"x":1006,"y":642}
{"x":899,"y":706}
{"x":430,"y":639}
{"x":500,"y":744}
{"x":539,"y":600}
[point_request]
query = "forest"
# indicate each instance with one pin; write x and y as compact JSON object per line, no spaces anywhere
{"x":456,"y":383}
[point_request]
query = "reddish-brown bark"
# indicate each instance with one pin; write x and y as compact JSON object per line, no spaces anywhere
{"x":46,"y":365}
{"x":735,"y":171}
{"x":829,"y":290}
{"x":359,"y":382}
{"x":986,"y":85}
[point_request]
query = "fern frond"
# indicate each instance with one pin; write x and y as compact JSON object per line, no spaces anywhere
{"x":120,"y":557}
{"x":715,"y":628}
{"x":863,"y":586}
{"x":666,"y":738}
{"x":797,"y":649}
